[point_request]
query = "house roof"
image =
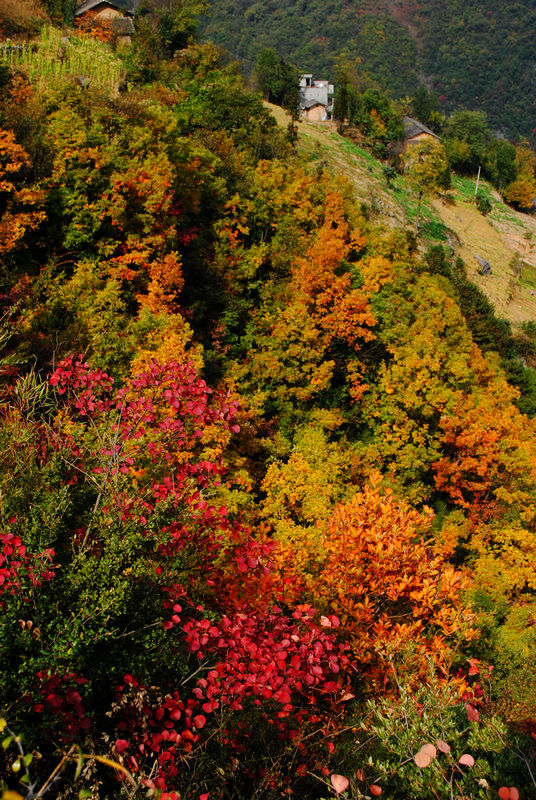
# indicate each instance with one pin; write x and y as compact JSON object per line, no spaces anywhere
{"x":311,"y":103}
{"x":413,"y":127}
{"x":88,"y":5}
{"x":123,"y":26}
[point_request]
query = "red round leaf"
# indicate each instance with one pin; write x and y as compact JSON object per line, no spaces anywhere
{"x":472,"y":713}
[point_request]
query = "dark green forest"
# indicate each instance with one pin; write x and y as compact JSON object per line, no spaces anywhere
{"x":472,"y":54}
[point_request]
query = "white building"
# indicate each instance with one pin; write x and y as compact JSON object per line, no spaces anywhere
{"x":316,"y":98}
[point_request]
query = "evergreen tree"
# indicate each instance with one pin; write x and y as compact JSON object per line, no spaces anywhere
{"x":278,"y":81}
{"x":61,"y":10}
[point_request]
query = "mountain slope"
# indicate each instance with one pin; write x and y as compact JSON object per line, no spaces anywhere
{"x":504,"y":237}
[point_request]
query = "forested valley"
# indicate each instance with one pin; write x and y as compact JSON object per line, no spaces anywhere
{"x":268,"y":474}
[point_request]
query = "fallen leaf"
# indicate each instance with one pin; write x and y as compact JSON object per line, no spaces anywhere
{"x":472,"y":713}
{"x":422,"y":759}
{"x":430,"y":749}
{"x":339,"y":783}
{"x":466,"y":760}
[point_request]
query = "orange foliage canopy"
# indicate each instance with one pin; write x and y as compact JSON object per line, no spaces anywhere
{"x":342,"y":312}
{"x":394,"y":594}
{"x":489,"y":462}
{"x":18,"y":204}
{"x":90,"y":24}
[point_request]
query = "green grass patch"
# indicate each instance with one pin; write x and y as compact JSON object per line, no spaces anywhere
{"x":465,"y":187}
{"x":464,"y":190}
{"x":528,"y":275}
{"x":353,"y":149}
{"x":435,"y":229}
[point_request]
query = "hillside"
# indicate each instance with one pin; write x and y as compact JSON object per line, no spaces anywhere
{"x":268,"y":474}
{"x":473,"y":55}
{"x":503,"y":237}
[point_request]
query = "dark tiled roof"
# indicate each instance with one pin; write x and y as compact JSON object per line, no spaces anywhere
{"x":312,"y":103}
{"x":122,"y":5}
{"x":123,"y":26}
{"x":413,"y":127}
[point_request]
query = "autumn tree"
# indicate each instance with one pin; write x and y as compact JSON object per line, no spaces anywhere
{"x":394,"y":596}
{"x":522,"y":190}
{"x":426,"y":170}
{"x":428,"y":364}
{"x":291,"y":357}
{"x":487,"y":465}
{"x":503,"y":596}
{"x":149,"y":559}
{"x":20,"y":204}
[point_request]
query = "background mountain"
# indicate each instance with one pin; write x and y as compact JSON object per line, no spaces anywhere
{"x":473,"y":54}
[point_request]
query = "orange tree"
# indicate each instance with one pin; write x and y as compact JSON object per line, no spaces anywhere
{"x":488,"y":465}
{"x":398,"y":601}
{"x":314,"y":315}
{"x":20,"y":204}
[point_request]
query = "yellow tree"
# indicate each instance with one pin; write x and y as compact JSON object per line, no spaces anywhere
{"x":522,"y":190}
{"x":426,"y":168}
{"x":299,"y":497}
{"x":430,"y":353}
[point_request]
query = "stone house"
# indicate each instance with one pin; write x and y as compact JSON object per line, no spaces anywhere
{"x":117,"y":14}
{"x":316,"y":98}
{"x":415,"y":132}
